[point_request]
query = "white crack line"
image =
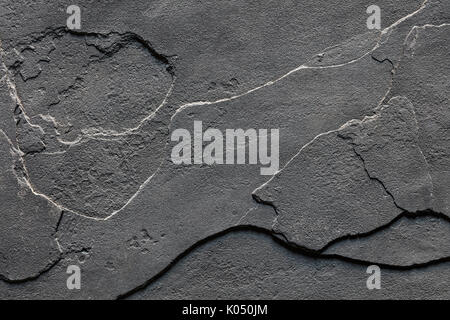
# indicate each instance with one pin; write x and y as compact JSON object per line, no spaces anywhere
{"x":86,"y":134}
{"x":396,"y":23}
{"x":199,"y":103}
{"x":15,"y":98}
{"x":427,"y":26}
{"x":104,"y":135}
{"x":13,"y":91}
{"x":303,"y":67}
{"x":245,"y":215}
{"x":423,"y":27}
{"x":384,"y":31}
{"x":24,"y":180}
{"x":141,"y":187}
{"x":267,"y":84}
{"x":11,"y":144}
{"x":300,"y":151}
{"x":348,"y":123}
{"x":59,"y":245}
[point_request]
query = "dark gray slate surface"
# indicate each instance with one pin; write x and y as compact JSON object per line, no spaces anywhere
{"x":87,"y":179}
{"x":252,"y":266}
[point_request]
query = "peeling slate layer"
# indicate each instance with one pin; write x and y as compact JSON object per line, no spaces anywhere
{"x":400,"y":149}
{"x":324,"y":193}
{"x":408,"y":241}
{"x":84,"y":149}
{"x":210,"y":199}
{"x":388,"y":144}
{"x":329,"y":189}
{"x":175,"y":224}
{"x":27,"y":231}
{"x":426,"y":48}
{"x":130,"y":214}
{"x":251,"y":266}
{"x":430,"y":12}
{"x":221,"y":48}
{"x":353,"y":180}
{"x":422,"y":76}
{"x":106,"y":83}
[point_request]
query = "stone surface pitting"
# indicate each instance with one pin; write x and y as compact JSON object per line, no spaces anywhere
{"x":86,"y":177}
{"x":27,"y":231}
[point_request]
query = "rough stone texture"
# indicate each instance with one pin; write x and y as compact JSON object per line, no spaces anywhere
{"x":8,"y":125}
{"x":119,"y":68}
{"x":27,"y":231}
{"x":87,"y":178}
{"x":406,"y":242}
{"x":221,"y":48}
{"x":388,"y":145}
{"x":107,"y":85}
{"x":429,"y":92}
{"x":238,"y":265}
{"x":353,"y":180}
{"x":324,"y":193}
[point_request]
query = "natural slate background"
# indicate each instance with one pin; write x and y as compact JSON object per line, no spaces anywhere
{"x":86,"y":176}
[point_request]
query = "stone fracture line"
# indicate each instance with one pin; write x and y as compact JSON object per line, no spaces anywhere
{"x":245,"y":215}
{"x":396,"y":23}
{"x":309,"y":143}
{"x":316,"y":254}
{"x":344,"y":125}
{"x":200,"y":103}
{"x":423,"y":27}
{"x":60,"y":249}
{"x":24,"y":181}
{"x":300,"y":151}
{"x":305,"y":66}
{"x":366,"y":118}
{"x":414,"y":28}
{"x":48,"y":118}
{"x":302,"y":67}
{"x":267,"y":84}
{"x":106,"y":135}
{"x":15,"y":98}
{"x":13,"y":91}
{"x":141,"y":187}
{"x":11,"y":144}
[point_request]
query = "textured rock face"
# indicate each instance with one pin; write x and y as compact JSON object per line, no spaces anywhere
{"x":87,"y":122}
{"x":28,"y":227}
{"x":405,"y":242}
{"x":92,"y":149}
{"x":218,"y":270}
{"x":325,"y":193}
{"x":427,"y":49}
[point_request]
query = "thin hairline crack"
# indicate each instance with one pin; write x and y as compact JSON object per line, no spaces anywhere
{"x":106,"y":135}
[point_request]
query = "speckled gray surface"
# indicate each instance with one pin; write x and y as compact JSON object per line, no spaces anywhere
{"x":87,"y":177}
